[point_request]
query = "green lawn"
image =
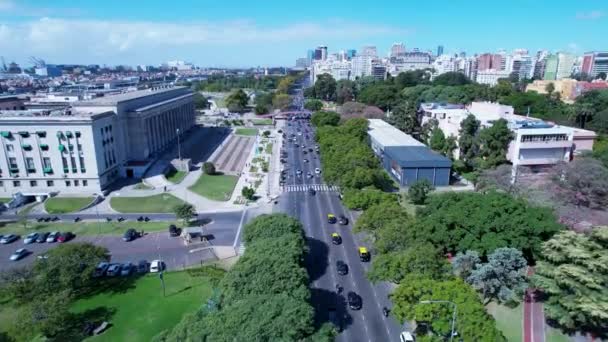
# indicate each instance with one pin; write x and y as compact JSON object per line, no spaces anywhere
{"x":84,"y":228}
{"x":142,"y":312}
{"x":269,"y":148}
{"x":4,"y":200}
{"x":175,"y":176}
{"x":508,"y":320}
{"x":262,"y":122}
{"x":161,"y":203}
{"x":215,"y":187}
{"x":62,"y":205}
{"x":246,"y":131}
{"x":554,"y":335}
{"x":142,"y":186}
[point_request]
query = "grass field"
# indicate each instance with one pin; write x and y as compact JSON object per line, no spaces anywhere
{"x":508,"y":320}
{"x":142,"y":312}
{"x":262,"y":122}
{"x":62,"y":205}
{"x":269,"y":148}
{"x":83,"y":228}
{"x":174,"y":176}
{"x":142,"y":186}
{"x":554,"y":335}
{"x":4,"y":200}
{"x":161,"y":203}
{"x":246,"y":131}
{"x":215,"y":187}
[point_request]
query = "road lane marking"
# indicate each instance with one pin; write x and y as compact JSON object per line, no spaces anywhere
{"x":238,"y":232}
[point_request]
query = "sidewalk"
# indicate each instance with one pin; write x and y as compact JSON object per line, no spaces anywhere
{"x":534,"y":316}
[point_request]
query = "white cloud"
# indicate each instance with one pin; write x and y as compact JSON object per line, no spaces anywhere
{"x":76,"y":40}
{"x":591,"y":15}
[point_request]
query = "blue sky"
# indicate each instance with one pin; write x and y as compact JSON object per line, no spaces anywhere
{"x":269,"y":32}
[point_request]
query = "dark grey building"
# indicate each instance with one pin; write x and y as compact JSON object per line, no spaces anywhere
{"x":405,"y":158}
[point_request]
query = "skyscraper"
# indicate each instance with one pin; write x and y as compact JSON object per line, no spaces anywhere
{"x":351,"y":53}
{"x":565,"y":63}
{"x":369,"y":51}
{"x":310,"y":55}
{"x":595,"y":63}
{"x":439,"y":50}
{"x":489,"y":61}
{"x":397,"y":50}
{"x":551,"y":64}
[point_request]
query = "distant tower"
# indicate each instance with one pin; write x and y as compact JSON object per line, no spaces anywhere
{"x":439,"y":50}
{"x":397,"y":50}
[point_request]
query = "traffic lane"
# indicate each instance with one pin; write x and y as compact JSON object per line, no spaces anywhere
{"x":376,"y":295}
{"x":126,"y":217}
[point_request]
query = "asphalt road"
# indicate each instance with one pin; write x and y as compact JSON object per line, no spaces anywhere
{"x":367,"y":324}
{"x":222,"y":231}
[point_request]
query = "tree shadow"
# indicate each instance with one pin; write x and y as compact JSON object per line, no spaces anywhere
{"x":81,"y":325}
{"x":316,"y":258}
{"x":330,"y":307}
{"x":112,"y":285}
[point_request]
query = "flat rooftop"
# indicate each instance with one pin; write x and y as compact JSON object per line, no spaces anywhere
{"x":387,"y":135}
{"x":51,"y":113}
{"x":417,"y":156}
{"x":115,"y":99}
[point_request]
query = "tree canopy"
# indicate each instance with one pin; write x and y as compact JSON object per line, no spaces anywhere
{"x":325,"y":118}
{"x":313,"y":105}
{"x":237,"y":101}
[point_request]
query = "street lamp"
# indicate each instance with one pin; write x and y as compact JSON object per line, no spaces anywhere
{"x":179,"y":151}
{"x":453,"y":314}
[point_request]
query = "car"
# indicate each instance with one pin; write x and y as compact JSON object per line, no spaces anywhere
{"x":310,"y":149}
{"x":101,"y":269}
{"x":305,"y":160}
{"x":364,"y":254}
{"x":406,"y":336}
{"x":65,"y":237}
{"x":130,"y":235}
{"x":311,"y":191}
{"x":42,"y":237}
{"x":343,"y":220}
{"x":336,"y":239}
{"x":317,"y":170}
{"x":342,"y":267}
{"x":304,"y":152}
{"x":173,"y":231}
{"x":157,"y":266}
{"x":6,"y":239}
{"x":143,"y":266}
{"x":126,"y":269}
{"x":113,"y":270}
{"x":331,"y":218}
{"x":354,"y":301}
{"x":30,"y":238}
{"x":20,"y":253}
{"x":52,"y":237}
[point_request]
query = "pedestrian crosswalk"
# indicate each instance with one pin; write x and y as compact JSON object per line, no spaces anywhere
{"x":316,"y":187}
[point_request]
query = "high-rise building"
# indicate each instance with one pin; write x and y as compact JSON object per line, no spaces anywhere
{"x":551,"y":63}
{"x":595,"y":63}
{"x":565,"y":64}
{"x":439,"y":50}
{"x":489,"y":61}
{"x":310,"y":55}
{"x":323,"y":52}
{"x":397,"y":49}
{"x":350,"y":53}
{"x":319,"y":53}
{"x":369,"y":51}
{"x":361,"y":66}
{"x":302,"y":63}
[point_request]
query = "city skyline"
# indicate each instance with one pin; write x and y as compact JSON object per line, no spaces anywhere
{"x":217,"y":34}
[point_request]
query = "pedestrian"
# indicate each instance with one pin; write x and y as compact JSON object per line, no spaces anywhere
{"x":165,"y":188}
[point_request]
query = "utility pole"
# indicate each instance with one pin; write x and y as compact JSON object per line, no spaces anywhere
{"x":453,"y":313}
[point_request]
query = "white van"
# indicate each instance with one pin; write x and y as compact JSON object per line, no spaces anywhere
{"x":406,"y":336}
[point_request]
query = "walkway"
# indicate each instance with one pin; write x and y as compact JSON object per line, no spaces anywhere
{"x":534,"y":316}
{"x":233,"y":155}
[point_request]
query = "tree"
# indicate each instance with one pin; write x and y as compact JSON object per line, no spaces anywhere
{"x":184,"y":212}
{"x":271,"y":226}
{"x":493,"y":144}
{"x":248,"y":192}
{"x":325,"y":118}
{"x":453,"y":78}
{"x":412,"y":78}
{"x":584,"y":182}
{"x":360,"y":110}
{"x":200,"y":101}
{"x":467,"y":141}
{"x":463,"y":264}
{"x":473,"y":322}
{"x":237,"y":101}
{"x":437,"y":140}
{"x":599,"y":122}
{"x":377,"y":216}
{"x":383,"y":96}
{"x":550,"y":88}
{"x":285,"y":84}
{"x":503,"y":277}
{"x":405,"y":118}
{"x":419,"y":191}
{"x":325,"y":87}
{"x":209,"y":168}
{"x":281,"y":101}
{"x":49,"y":315}
{"x":449,"y":147}
{"x":419,"y":259}
{"x":313,"y":105}
{"x":573,"y":274}
{"x":346,"y":90}
{"x":362,"y":199}
{"x":483,"y":222}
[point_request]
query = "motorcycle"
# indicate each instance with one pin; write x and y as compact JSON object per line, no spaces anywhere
{"x":385,"y":311}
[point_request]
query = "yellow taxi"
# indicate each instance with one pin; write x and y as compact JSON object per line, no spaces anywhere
{"x":336,"y":239}
{"x":364,"y":254}
{"x":331,"y":218}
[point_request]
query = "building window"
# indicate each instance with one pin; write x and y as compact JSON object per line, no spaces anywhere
{"x":68,"y":183}
{"x":82,"y":167}
{"x":12,"y":163}
{"x":64,"y":161}
{"x":85,"y":183}
{"x":33,"y":184}
{"x":50,"y":183}
{"x":1,"y":183}
{"x":9,"y":148}
{"x":29,"y":164}
{"x":76,"y":182}
{"x":46,"y":163}
{"x":79,"y":146}
{"x":16,"y":184}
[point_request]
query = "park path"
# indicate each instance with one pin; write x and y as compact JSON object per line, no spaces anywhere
{"x":534,"y":316}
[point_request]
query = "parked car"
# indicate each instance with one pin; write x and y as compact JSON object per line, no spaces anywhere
{"x":342,"y":267}
{"x":42,"y":237}
{"x":354,"y":301}
{"x":157,"y":266}
{"x":173,"y":231}
{"x":8,"y":238}
{"x":130,"y":235}
{"x":65,"y":237}
{"x":406,"y":336}
{"x":101,"y":269}
{"x":30,"y":238}
{"x":20,"y":253}
{"x":143,"y":266}
{"x":126,"y":269}
{"x":113,"y":270}
{"x":52,"y":237}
